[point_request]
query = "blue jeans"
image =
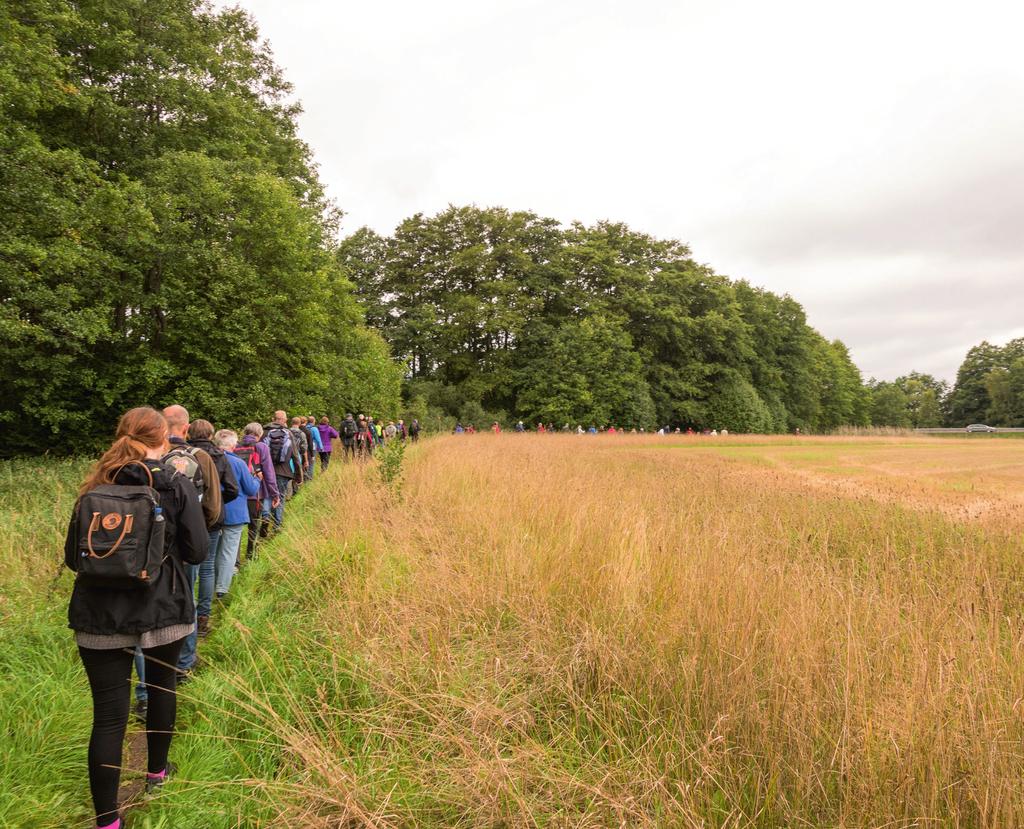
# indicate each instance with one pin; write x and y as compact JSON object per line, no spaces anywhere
{"x":277,"y":513}
{"x":141,"y":694}
{"x":187,"y":657}
{"x":227,"y":556}
{"x":206,"y":576}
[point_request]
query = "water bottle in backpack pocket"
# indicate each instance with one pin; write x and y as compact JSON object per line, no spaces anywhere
{"x":119,"y":535}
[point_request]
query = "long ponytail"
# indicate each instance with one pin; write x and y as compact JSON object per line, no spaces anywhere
{"x":138,"y":431}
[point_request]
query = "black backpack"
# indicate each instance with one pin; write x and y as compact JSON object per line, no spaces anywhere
{"x":349,"y":429}
{"x":119,"y":535}
{"x":279,"y":439}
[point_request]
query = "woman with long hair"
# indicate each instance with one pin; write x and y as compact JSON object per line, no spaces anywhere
{"x":111,"y":619}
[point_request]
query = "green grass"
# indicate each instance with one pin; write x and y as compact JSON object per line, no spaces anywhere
{"x":264,"y":663}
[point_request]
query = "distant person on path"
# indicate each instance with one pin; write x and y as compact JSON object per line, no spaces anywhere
{"x":316,"y":444}
{"x":236,"y":514}
{"x":414,"y":430}
{"x":268,"y":503}
{"x":111,"y":620}
{"x":327,"y":434}
{"x":520,"y":427}
{"x":496,"y":427}
{"x":302,"y":443}
{"x":364,"y":440}
{"x":349,"y":431}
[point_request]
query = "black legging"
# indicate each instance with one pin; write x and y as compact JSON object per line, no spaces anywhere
{"x":110,"y":674}
{"x":325,"y":459}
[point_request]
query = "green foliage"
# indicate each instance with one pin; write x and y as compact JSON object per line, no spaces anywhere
{"x":1005,"y":387}
{"x":989,"y":387}
{"x":512,"y":314}
{"x":889,"y":406}
{"x":165,"y":237}
{"x":389,"y":465}
{"x":736,"y":406}
{"x":590,"y":374}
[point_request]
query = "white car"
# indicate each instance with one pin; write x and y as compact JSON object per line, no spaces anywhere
{"x":980,"y":427}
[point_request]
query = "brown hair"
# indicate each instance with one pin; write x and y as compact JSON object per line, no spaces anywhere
{"x":138,"y":431}
{"x":325,"y":420}
{"x":200,"y":430}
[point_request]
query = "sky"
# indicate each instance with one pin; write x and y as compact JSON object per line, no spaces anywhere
{"x":867,"y":158}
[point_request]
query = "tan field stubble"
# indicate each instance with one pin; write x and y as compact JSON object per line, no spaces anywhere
{"x":567,"y":631}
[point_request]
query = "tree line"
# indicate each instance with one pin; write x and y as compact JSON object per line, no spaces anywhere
{"x":165,"y":238}
{"x":164,"y":235}
{"x":506,"y":314}
{"x":989,"y":388}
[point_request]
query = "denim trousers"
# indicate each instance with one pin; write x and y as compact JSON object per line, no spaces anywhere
{"x":227,"y":556}
{"x":187,"y":657}
{"x":277,"y":513}
{"x":206,"y":575}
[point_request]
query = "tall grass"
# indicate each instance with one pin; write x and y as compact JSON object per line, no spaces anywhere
{"x":553,"y":631}
{"x":563,"y":631}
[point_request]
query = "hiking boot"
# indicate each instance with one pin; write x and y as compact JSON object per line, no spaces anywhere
{"x":154,"y":783}
{"x":203,"y":626}
{"x":140,"y":709}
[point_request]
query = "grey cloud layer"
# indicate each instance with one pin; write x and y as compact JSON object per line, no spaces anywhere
{"x":865,"y":161}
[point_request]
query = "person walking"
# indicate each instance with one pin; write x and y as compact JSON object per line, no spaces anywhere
{"x":268,"y":503}
{"x":197,"y":466}
{"x":236,"y":514}
{"x":110,"y":620}
{"x":284,"y":454}
{"x":316,"y":444}
{"x":364,"y":441}
{"x":302,"y":443}
{"x":200,"y":436}
{"x":349,"y":431}
{"x":414,"y":430}
{"x":327,"y":434}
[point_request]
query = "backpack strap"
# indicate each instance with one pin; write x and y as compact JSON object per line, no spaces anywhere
{"x":94,"y":525}
{"x":149,"y":474}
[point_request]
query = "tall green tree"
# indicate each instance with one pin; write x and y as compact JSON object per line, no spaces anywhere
{"x":481,"y":303}
{"x":165,"y":237}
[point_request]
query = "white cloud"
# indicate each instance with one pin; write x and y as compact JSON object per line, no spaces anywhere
{"x":864,"y":158}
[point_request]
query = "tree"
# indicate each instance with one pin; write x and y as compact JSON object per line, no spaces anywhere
{"x":1005,"y":387}
{"x":969,"y":401}
{"x":165,"y":237}
{"x":590,"y":374}
{"x":479,"y":302}
{"x":889,"y":405}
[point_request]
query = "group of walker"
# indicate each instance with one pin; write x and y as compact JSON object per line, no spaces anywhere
{"x":161,"y":514}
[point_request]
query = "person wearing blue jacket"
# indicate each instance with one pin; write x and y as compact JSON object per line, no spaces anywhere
{"x":316,"y":444}
{"x":236,"y":513}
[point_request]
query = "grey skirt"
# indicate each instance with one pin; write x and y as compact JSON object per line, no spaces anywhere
{"x":148,"y":639}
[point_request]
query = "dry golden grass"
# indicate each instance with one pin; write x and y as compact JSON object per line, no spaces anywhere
{"x":573,"y":631}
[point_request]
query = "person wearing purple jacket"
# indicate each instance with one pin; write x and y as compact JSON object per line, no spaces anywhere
{"x":267,"y":503}
{"x":327,"y":432}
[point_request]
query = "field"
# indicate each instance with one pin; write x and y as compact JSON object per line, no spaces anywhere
{"x":563,"y":631}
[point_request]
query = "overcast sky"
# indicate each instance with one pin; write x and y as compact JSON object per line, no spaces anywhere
{"x":866,"y":158}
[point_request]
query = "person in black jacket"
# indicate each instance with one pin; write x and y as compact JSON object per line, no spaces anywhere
{"x":200,"y":436}
{"x":111,"y":621}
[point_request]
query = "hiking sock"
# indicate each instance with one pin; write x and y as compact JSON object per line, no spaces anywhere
{"x":115,"y":825}
{"x":160,"y":775}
